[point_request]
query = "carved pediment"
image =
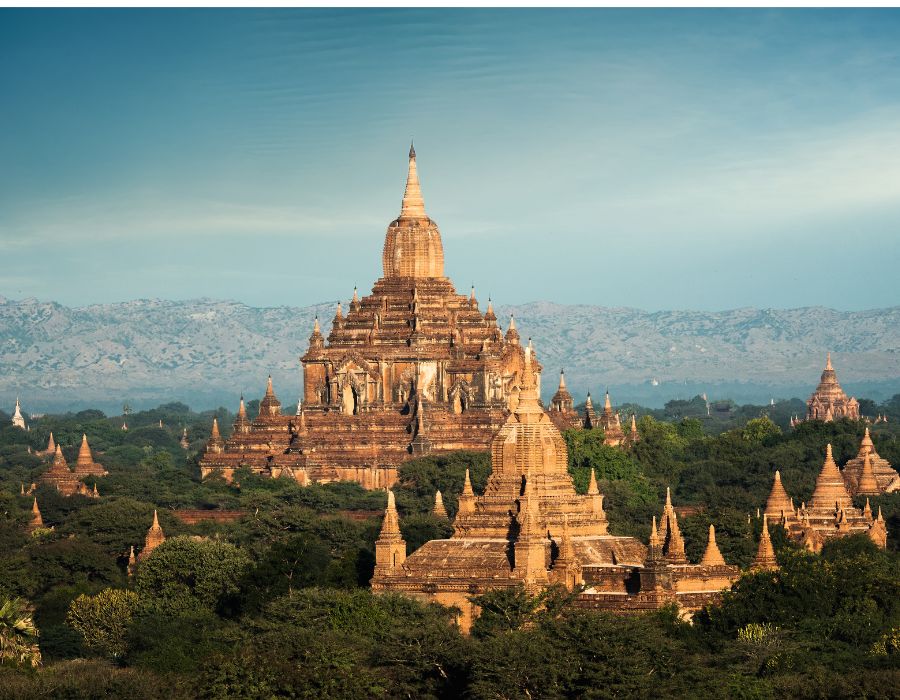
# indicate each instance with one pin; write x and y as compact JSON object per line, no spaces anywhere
{"x":352,"y":362}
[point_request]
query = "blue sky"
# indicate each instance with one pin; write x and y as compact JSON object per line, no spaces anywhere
{"x":658,"y":159}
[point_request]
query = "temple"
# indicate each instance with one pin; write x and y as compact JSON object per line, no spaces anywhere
{"x":37,"y":521}
{"x":611,"y":425}
{"x":71,"y":481}
{"x":830,"y":512}
{"x":154,"y":538}
{"x":17,"y":419}
{"x":413,"y":368}
{"x":531,"y":528}
{"x":869,"y":474}
{"x":829,"y":402}
{"x":607,"y":420}
{"x":562,"y":407}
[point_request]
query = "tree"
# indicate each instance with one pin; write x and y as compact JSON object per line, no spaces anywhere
{"x":103,"y":619}
{"x":297,"y":562}
{"x":18,"y":634}
{"x":188,"y":575}
{"x":758,"y":430}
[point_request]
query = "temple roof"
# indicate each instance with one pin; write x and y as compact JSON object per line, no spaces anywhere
{"x":778,"y":502}
{"x":413,"y":247}
{"x":830,"y":488}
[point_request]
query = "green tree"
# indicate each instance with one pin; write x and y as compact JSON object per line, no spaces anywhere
{"x":103,"y":619}
{"x":185,"y":574}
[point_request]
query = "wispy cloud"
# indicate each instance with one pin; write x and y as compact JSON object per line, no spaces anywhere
{"x":123,"y":217}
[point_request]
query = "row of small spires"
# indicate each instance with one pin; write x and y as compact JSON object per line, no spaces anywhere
{"x":155,"y":535}
{"x":667,"y":545}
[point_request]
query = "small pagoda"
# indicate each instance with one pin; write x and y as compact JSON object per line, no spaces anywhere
{"x":70,"y":481}
{"x":869,"y":474}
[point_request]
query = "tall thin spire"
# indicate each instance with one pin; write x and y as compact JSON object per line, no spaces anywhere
{"x":439,"y":511}
{"x":512,"y":335}
{"x":390,"y":547}
{"x":467,"y":497}
{"x":828,"y":365}
{"x":765,"y":554}
{"x":155,"y":537}
{"x":413,"y":206}
{"x":37,"y":521}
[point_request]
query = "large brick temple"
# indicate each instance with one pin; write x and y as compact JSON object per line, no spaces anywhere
{"x":531,"y":528}
{"x":411,"y":369}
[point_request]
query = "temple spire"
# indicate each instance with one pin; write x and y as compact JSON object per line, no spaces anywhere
{"x":778,"y":500}
{"x":466,"y":498}
{"x":712,"y":556}
{"x":868,"y":485}
{"x":830,"y":487}
{"x":593,"y":489}
{"x":439,"y":511}
{"x":390,"y":527}
{"x":84,"y":452}
{"x":512,"y":335}
{"x":413,"y":206}
{"x":765,"y":554}
{"x":155,"y":537}
{"x":390,"y":547}
{"x":37,"y":521}
{"x":828,"y":365}
{"x":215,"y":442}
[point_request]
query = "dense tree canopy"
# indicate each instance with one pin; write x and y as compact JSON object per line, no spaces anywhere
{"x":275,"y":603}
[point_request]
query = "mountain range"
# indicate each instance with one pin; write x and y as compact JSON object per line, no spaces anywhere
{"x":207,"y":352}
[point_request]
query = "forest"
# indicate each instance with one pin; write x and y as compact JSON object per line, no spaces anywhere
{"x":272,"y":600}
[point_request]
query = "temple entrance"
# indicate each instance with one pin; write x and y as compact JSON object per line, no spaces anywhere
{"x":349,"y":400}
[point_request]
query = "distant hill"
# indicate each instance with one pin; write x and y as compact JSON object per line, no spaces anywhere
{"x":206,"y":352}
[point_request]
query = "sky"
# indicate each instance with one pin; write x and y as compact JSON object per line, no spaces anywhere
{"x":659,"y":159}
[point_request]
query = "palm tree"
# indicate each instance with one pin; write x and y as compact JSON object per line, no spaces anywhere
{"x":18,"y":635}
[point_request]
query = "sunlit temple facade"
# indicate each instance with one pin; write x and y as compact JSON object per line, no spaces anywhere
{"x":830,"y":512}
{"x":413,"y":368}
{"x":531,"y":528}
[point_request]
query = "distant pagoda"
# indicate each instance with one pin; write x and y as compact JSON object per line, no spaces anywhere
{"x":829,"y":402}
{"x":17,"y":419}
{"x":68,"y":481}
{"x":414,"y":368}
